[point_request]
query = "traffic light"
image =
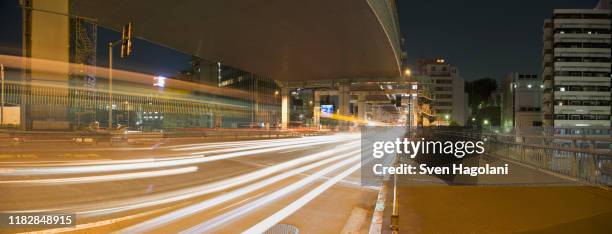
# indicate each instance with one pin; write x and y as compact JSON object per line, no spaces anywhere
{"x":126,"y":40}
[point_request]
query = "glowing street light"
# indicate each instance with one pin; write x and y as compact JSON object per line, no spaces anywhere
{"x":407,"y":72}
{"x":446,"y":117}
{"x":485,"y":122}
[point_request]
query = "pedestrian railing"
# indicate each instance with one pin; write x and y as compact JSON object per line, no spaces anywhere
{"x":589,"y":165}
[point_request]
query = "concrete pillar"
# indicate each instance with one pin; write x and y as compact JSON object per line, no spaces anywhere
{"x":361,"y":106}
{"x":218,"y":120}
{"x":46,"y":36}
{"x":284,"y":108}
{"x":256,"y":115}
{"x":344,"y":99}
{"x":316,"y":114}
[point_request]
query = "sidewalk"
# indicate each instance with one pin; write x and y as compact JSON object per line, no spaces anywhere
{"x":545,"y":206}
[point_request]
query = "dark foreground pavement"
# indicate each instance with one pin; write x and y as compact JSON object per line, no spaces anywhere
{"x":526,"y":201}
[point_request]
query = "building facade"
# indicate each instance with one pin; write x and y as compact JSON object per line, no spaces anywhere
{"x":521,"y":101}
{"x":447,"y":89}
{"x":576,"y":72}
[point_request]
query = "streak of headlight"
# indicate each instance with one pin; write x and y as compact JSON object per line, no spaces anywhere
{"x":267,"y":223}
{"x":103,"y":178}
{"x":262,"y":143}
{"x":251,"y":142}
{"x":184,"y":147}
{"x":164,"y":198}
{"x":190,"y":210}
{"x":146,"y":165}
{"x":99,"y":162}
{"x":97,"y":223}
{"x":257,"y":146}
{"x":212,"y":224}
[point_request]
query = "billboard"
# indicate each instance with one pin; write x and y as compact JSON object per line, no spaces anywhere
{"x":327,"y":110}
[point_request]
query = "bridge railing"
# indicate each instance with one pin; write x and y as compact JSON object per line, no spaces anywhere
{"x":589,"y":165}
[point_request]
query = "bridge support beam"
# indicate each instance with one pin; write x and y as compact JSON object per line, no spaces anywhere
{"x":316,"y":114}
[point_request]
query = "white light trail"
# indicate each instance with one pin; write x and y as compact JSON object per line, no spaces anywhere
{"x":190,"y":210}
{"x":102,"y":178}
{"x":226,"y":218}
{"x":110,"y":207}
{"x":142,"y":164}
{"x":267,"y":223}
{"x":184,"y":147}
{"x":260,"y":146}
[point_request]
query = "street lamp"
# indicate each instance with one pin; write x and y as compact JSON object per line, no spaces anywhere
{"x":485,"y":122}
{"x":407,"y":72}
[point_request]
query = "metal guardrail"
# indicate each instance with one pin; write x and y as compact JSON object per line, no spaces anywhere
{"x":19,"y":137}
{"x":586,"y":165}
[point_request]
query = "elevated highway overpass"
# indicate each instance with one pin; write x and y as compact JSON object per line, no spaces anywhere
{"x":284,"y":40}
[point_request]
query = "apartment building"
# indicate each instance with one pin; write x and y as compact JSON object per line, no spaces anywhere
{"x":449,"y":100}
{"x":576,"y":72}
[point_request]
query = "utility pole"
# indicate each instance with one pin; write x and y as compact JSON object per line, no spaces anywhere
{"x":126,"y":49}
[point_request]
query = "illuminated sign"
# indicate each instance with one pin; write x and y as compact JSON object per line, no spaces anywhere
{"x":327,"y":110}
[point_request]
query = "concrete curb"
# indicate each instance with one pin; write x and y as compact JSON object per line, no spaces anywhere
{"x":376,"y":224}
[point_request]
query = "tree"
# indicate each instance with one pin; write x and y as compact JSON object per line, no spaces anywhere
{"x":479,"y":91}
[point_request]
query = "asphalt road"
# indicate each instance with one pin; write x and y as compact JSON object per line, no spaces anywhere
{"x":191,"y":186}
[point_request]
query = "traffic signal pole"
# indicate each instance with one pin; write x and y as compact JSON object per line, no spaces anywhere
{"x":126,"y":49}
{"x":110,"y":85}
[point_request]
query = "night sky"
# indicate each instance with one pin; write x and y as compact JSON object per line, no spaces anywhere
{"x":483,"y":38}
